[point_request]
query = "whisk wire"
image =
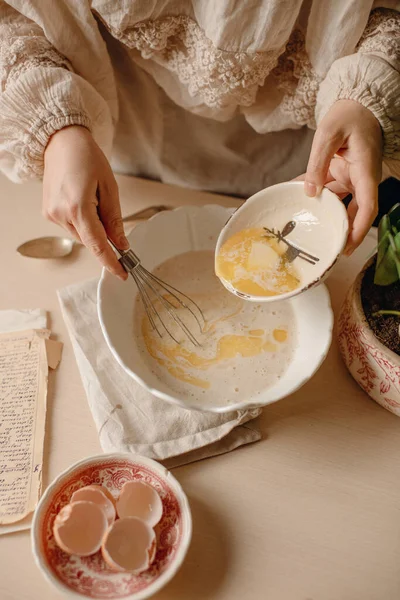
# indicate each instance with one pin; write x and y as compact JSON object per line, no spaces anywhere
{"x":169,"y":307}
{"x":174,"y":293}
{"x":153,"y":308}
{"x":148,"y":305}
{"x":146,"y":281}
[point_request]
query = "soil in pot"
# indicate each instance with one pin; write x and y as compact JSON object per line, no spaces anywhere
{"x":377,"y":297}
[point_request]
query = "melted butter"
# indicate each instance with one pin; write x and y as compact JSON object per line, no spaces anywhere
{"x":239,"y":356}
{"x":180,"y":359}
{"x":280,"y":335}
{"x":254,"y":264}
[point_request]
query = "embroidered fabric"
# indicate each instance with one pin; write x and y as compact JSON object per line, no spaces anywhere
{"x":382,"y":34}
{"x":219,"y":77}
{"x":216,"y":78}
{"x":21,"y":53}
{"x":296,"y":77}
{"x":379,"y":89}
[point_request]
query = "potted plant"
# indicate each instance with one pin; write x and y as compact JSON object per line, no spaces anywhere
{"x":369,"y":322}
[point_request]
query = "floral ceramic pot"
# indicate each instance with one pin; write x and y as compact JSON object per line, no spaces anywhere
{"x":375,"y":368}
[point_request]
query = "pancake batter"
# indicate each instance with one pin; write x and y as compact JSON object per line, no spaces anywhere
{"x":245,"y":347}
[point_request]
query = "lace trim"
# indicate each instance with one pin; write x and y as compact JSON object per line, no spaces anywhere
{"x":296,"y":77}
{"x":21,"y":53}
{"x":382,"y":34}
{"x":219,"y":77}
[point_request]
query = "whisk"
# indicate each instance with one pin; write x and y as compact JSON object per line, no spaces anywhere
{"x":155,"y":292}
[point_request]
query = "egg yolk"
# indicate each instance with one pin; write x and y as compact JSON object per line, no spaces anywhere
{"x":255,"y":264}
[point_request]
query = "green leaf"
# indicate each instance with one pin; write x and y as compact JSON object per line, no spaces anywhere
{"x":396,"y":240}
{"x":394,"y":217}
{"x":383,"y":238}
{"x":387,"y":269}
{"x":394,"y":213}
{"x":396,"y":251}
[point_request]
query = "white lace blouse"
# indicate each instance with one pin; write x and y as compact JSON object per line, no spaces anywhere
{"x":221,"y":95}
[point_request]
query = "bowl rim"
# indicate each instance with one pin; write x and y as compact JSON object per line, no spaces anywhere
{"x":314,"y":282}
{"x":161,"y":581}
{"x":357,"y":306}
{"x":188,"y":405}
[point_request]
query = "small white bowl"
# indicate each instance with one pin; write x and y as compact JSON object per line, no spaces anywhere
{"x":321,"y":230}
{"x":174,"y":232}
{"x":90,"y":577}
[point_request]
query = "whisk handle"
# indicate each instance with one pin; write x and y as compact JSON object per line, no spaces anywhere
{"x":128,"y":259}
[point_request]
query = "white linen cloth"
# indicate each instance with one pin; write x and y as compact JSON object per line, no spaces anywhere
{"x":130,"y":419}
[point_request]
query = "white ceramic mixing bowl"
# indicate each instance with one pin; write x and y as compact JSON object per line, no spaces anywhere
{"x":188,"y":228}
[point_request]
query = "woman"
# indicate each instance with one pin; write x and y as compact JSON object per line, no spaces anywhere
{"x":223,"y":96}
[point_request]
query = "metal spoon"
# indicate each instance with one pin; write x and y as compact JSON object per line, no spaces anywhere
{"x":60,"y":247}
{"x":47,"y":247}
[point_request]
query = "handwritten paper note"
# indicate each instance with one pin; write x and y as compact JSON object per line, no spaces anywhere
{"x":24,"y":360}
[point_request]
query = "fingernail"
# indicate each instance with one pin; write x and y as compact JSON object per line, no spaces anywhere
{"x":123,"y":243}
{"x":349,"y":250}
{"x":310,"y":189}
{"x":122,"y":275}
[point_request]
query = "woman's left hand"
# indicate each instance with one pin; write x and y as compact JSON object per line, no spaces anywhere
{"x":346,"y":157}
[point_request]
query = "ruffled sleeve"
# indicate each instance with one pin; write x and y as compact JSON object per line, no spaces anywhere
{"x":40,"y":93}
{"x":371,"y":77}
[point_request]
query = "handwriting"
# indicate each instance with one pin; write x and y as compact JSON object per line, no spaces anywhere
{"x":23,"y":371}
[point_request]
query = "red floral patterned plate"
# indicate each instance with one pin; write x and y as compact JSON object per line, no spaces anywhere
{"x":90,"y":576}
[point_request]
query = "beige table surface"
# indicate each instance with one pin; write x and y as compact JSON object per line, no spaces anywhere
{"x":312,"y":512}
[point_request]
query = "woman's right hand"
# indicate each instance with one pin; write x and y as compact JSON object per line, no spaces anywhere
{"x":80,"y":194}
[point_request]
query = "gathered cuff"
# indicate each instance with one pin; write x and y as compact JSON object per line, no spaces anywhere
{"x":40,"y":103}
{"x":373,"y":83}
